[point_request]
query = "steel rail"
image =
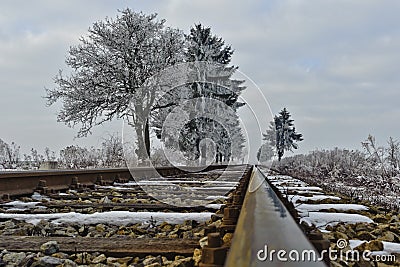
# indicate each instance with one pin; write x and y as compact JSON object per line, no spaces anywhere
{"x":14,"y":183}
{"x":264,"y":227}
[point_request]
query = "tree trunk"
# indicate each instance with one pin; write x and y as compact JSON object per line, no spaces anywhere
{"x":147,"y":138}
{"x":141,"y":150}
{"x":203,"y":154}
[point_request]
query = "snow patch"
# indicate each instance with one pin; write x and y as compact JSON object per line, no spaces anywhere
{"x":301,"y":188}
{"x":21,"y":204}
{"x":296,"y":198}
{"x":214,"y":206}
{"x":323,"y":219}
{"x":111,"y":217}
{"x":388,"y":247}
{"x":317,"y":207}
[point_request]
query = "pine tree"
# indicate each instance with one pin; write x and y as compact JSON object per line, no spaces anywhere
{"x":204,"y":47}
{"x":282,"y":134}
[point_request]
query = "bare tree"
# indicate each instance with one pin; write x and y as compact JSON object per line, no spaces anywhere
{"x":37,"y":158}
{"x":376,"y":153}
{"x":112,"y":152}
{"x":49,"y":155}
{"x":2,"y":153}
{"x":74,"y":157}
{"x":12,"y":155}
{"x":393,"y":158}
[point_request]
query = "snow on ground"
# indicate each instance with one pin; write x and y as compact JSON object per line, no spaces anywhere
{"x":38,"y":197}
{"x":285,"y":183}
{"x":309,"y":213}
{"x":228,"y":188}
{"x":173,"y":182}
{"x":110,"y":187}
{"x":22,"y":206}
{"x":216,"y":197}
{"x":316,"y":207}
{"x":300,"y":188}
{"x":111,"y":217}
{"x":355,"y":243}
{"x":280,"y":178}
{"x":288,"y":182}
{"x":222,"y":183}
{"x":323,"y":219}
{"x":302,"y":192}
{"x":214,"y":206}
{"x":391,"y":247}
{"x":297,"y":198}
{"x":156,"y":183}
{"x":388,"y":247}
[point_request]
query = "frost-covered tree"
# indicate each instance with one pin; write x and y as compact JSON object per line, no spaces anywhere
{"x":74,"y":157}
{"x":112,"y":152}
{"x":270,"y":135}
{"x":376,"y":154}
{"x":204,"y":46}
{"x":159,"y":158}
{"x":49,"y":155}
{"x":387,"y":159}
{"x":265,"y":152}
{"x":3,"y":153}
{"x":227,"y":137}
{"x":393,"y":156}
{"x":10,"y":157}
{"x":282,"y":133}
{"x":268,"y":149}
{"x":36,"y":158}
{"x":108,"y":70}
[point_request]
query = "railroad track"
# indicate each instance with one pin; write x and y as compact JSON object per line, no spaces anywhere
{"x":106,"y":218}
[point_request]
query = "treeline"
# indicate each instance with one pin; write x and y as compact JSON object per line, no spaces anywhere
{"x":109,"y":154}
{"x":375,"y":161}
{"x":372,"y":174}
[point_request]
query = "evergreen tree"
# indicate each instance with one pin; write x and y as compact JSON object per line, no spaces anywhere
{"x":282,"y":134}
{"x":202,"y":46}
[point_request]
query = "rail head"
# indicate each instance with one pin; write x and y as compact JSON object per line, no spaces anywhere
{"x":56,"y":172}
{"x":266,"y":234}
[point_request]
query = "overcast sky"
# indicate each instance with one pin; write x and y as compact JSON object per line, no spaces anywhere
{"x":333,"y":64}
